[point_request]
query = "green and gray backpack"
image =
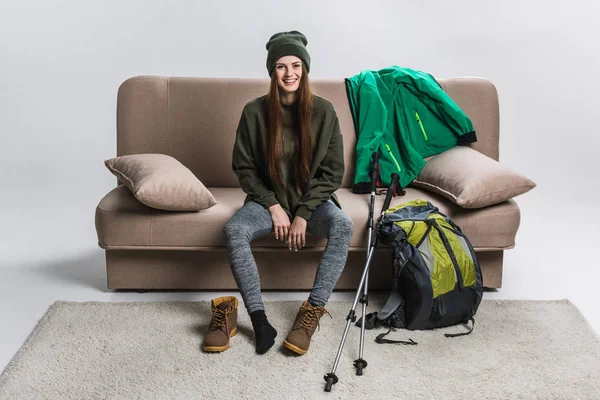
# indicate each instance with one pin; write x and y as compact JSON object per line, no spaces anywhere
{"x":437,"y":278}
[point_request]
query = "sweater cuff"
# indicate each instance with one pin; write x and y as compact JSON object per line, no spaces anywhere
{"x":269,"y":201}
{"x":304,"y":212}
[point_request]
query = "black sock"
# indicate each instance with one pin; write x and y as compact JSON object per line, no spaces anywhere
{"x":264,"y":332}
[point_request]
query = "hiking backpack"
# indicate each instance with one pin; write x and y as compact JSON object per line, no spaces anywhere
{"x":437,"y":278}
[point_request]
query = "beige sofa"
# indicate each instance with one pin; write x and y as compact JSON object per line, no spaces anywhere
{"x":194,"y":120}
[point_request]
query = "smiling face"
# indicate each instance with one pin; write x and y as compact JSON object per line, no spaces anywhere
{"x":289,"y":74}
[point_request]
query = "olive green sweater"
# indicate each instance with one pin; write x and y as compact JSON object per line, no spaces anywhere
{"x":249,"y":160}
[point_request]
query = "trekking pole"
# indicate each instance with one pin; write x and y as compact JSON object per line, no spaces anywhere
{"x":360,"y":363}
{"x":331,"y":378}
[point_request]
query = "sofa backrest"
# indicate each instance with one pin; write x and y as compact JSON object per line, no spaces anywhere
{"x":195,"y":119}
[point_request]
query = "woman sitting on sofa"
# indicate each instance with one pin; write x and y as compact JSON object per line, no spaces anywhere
{"x":288,"y":156}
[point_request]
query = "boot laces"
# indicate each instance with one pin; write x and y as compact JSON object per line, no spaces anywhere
{"x":311,"y":316}
{"x":220,"y":319}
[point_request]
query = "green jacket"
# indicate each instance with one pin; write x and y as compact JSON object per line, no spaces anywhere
{"x":406,"y":116}
{"x":327,"y":167}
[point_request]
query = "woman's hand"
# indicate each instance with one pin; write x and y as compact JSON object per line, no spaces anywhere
{"x":297,"y":237}
{"x":281,"y":222}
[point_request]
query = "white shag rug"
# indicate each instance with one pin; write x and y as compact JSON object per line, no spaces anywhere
{"x":152,"y":350}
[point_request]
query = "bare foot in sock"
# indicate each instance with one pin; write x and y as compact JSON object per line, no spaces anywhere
{"x":263,"y":331}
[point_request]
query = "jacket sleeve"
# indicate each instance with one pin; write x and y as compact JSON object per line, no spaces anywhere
{"x":370,"y":122}
{"x":328,"y":176}
{"x":244,"y":166}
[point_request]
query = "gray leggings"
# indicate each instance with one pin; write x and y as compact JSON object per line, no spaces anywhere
{"x":253,"y":221}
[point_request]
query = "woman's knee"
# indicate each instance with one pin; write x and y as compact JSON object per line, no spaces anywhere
{"x":342,"y":225}
{"x":235,"y":229}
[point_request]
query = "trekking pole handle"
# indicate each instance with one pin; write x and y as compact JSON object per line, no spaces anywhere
{"x":390,"y":192}
{"x":374,"y":170}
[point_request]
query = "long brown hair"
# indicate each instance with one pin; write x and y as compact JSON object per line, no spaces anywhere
{"x":302,"y":134}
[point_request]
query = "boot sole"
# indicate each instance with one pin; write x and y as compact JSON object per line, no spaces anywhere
{"x":216,"y":349}
{"x":294,"y":348}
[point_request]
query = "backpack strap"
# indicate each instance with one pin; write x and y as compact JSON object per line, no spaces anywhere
{"x":380,"y":339}
{"x":395,"y":299}
{"x":371,"y":321}
{"x":466,"y":322}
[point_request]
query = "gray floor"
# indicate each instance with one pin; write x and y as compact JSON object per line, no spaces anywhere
{"x":50,"y":255}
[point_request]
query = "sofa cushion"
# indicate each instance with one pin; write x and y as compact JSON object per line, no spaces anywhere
{"x":161,"y":181}
{"x":124,"y":223}
{"x":471,"y":179}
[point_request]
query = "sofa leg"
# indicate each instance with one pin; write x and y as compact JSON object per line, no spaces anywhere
{"x":491,"y":263}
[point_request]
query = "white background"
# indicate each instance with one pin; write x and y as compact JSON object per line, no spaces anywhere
{"x":62,"y":61}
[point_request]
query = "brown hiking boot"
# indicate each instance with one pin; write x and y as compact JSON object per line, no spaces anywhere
{"x":223,"y":324}
{"x":304,"y":327}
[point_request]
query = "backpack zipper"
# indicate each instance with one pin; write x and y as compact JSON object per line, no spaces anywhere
{"x":393,"y":158}
{"x":425,"y":234}
{"x":459,"y":277}
{"x":457,"y":233}
{"x":421,"y":124}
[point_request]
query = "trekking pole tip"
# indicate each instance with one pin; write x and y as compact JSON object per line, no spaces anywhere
{"x":331,"y":380}
{"x":360,"y":364}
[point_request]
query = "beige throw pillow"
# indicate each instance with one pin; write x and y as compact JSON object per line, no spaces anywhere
{"x":161,"y":181}
{"x":470,"y":178}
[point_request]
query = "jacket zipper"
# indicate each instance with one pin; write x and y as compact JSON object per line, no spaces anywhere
{"x":393,"y":158}
{"x":421,"y":124}
{"x":459,"y":277}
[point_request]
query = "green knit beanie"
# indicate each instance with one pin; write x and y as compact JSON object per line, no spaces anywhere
{"x":292,"y":43}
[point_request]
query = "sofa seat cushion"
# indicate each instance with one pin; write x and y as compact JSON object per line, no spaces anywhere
{"x":122,"y":222}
